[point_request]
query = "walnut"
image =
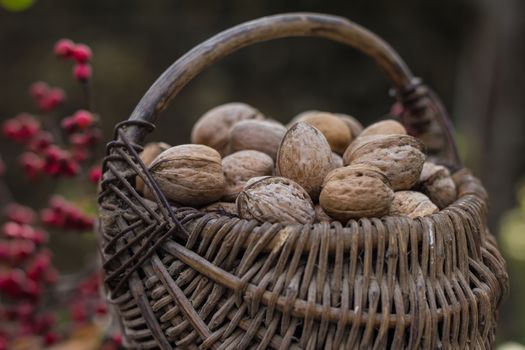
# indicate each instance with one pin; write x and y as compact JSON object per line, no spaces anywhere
{"x":384,"y":127}
{"x":276,"y":199}
{"x":333,"y":128}
{"x":213,"y":128}
{"x":400,"y":157}
{"x":412,"y":204}
{"x":305,"y":157}
{"x":189,"y":175}
{"x":241,"y":166}
{"x":259,"y":135}
{"x":148,"y":154}
{"x":356,"y":191}
{"x":437,"y":184}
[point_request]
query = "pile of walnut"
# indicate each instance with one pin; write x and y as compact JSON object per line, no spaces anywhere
{"x":322,"y":167}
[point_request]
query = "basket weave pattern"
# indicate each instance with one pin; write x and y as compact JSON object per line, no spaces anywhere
{"x":182,"y":278}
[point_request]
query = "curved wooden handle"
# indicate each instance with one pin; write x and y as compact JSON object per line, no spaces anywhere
{"x":180,"y":73}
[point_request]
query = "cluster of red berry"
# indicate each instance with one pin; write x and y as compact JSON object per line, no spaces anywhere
{"x":26,"y":272}
{"x":65,"y":215}
{"x":80,"y":53}
{"x":27,"y":276}
{"x":46,"y":98}
{"x":43,"y":154}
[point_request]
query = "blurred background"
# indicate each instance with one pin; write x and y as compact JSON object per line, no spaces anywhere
{"x":470,"y":52}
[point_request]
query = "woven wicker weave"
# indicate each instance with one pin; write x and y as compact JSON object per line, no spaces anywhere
{"x":180,"y":278}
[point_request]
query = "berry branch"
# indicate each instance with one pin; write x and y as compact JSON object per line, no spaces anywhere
{"x":62,"y":147}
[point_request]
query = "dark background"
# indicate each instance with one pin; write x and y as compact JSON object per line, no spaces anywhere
{"x":470,"y":52}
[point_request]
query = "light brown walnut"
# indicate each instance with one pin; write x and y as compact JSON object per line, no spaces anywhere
{"x":356,"y":191}
{"x":400,"y":157}
{"x":412,"y":204}
{"x":435,"y":181}
{"x":259,"y":135}
{"x":333,"y":128}
{"x":356,"y":128}
{"x":337,"y":160}
{"x":148,"y":154}
{"x":277,"y":200}
{"x":305,"y":157}
{"x":213,"y":128}
{"x":189,"y":175}
{"x":320,"y":215}
{"x":241,"y":166}
{"x":385,"y":127}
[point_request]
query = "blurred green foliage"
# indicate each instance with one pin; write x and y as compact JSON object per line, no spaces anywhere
{"x":16,"y":5}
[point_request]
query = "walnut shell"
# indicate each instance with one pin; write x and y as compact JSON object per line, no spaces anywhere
{"x":305,"y":157}
{"x":241,"y":166}
{"x":189,"y":174}
{"x":400,"y":157}
{"x":221,"y":208}
{"x":320,"y":215}
{"x":385,"y":127}
{"x":437,"y":184}
{"x":148,"y":154}
{"x":356,"y":191}
{"x":276,"y":199}
{"x":213,"y":128}
{"x":355,"y":127}
{"x":333,"y":128}
{"x":412,"y":204}
{"x":258,"y":135}
{"x":337,"y":160}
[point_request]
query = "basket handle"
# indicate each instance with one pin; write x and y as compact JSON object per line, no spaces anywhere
{"x":335,"y":28}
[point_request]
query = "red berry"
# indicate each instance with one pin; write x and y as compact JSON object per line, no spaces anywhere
{"x":56,"y":96}
{"x":397,"y":109}
{"x":32,"y":164}
{"x":82,"y":71}
{"x":52,"y":100}
{"x":38,"y":90}
{"x":80,"y":154}
{"x":20,"y":214}
{"x":68,"y":124}
{"x":71,"y":168}
{"x":95,"y":174}
{"x":11,"y":129}
{"x":81,"y":53}
{"x":11,"y":229}
{"x":41,"y":141}
{"x":83,"y":119}
{"x":64,"y":48}
{"x":78,"y":312}
{"x":51,"y":338}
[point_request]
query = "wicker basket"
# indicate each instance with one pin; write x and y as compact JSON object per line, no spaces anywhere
{"x":180,"y":278}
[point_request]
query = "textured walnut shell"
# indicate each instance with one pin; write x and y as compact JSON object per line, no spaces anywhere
{"x":384,"y":127}
{"x":148,"y":154}
{"x":333,"y":128}
{"x":437,"y":184}
{"x":241,"y":166}
{"x":221,"y":208}
{"x":305,"y":157}
{"x":355,"y":127}
{"x":356,"y":191}
{"x":320,"y":215}
{"x":259,"y":135}
{"x":276,"y":199}
{"x":189,"y":174}
{"x":412,"y":204}
{"x":213,"y":128}
{"x":337,"y":160}
{"x":400,"y":157}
